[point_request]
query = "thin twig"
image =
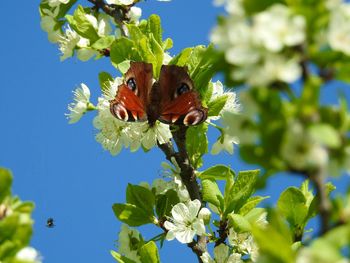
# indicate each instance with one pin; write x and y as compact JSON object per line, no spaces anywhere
{"x":188,"y":177}
{"x":324,"y":205}
{"x":119,"y":13}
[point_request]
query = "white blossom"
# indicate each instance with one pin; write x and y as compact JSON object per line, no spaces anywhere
{"x":54,"y":3}
{"x":185,"y":224}
{"x":238,"y":125}
{"x":231,"y":104}
{"x":160,"y":133}
{"x":339,"y":28}
{"x":224,"y":143}
{"x":102,"y":27}
{"x":68,"y":42}
{"x":80,"y":104}
{"x":222,"y":255}
{"x":204,"y":214}
{"x":115,"y":134}
{"x":120,"y":2}
{"x":300,"y":151}
{"x":48,"y":23}
{"x":126,"y":245}
{"x":174,"y":182}
{"x":135,"y":14}
{"x":278,"y":27}
{"x":243,"y":243}
{"x":255,"y":45}
{"x":29,"y":254}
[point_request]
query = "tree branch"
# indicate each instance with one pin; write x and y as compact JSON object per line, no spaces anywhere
{"x":188,"y":177}
{"x":119,"y":13}
{"x":324,"y":205}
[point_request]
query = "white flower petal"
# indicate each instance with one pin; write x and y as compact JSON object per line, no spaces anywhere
{"x":198,"y":226}
{"x":221,"y":253}
{"x":185,"y":235}
{"x":180,"y":212}
{"x":135,"y":14}
{"x":170,"y":235}
{"x":193,"y":208}
{"x":169,"y":226}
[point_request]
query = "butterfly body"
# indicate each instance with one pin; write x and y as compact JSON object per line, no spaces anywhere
{"x":172,"y":99}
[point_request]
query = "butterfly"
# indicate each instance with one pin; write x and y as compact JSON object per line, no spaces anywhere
{"x":171,"y":100}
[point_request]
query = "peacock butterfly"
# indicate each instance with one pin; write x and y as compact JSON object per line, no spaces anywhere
{"x":172,"y":99}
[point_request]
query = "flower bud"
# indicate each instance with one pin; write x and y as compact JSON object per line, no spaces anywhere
{"x":204,"y":214}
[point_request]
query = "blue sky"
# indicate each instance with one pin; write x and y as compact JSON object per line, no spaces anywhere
{"x":60,"y":166}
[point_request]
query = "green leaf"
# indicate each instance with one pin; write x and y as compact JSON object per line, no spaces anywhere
{"x":8,"y":226}
{"x":141,"y":197}
{"x":202,"y":67}
{"x":182,"y":58}
{"x":64,"y":8}
{"x":274,"y":241}
{"x":342,"y":71}
{"x":211,"y":192}
{"x":149,"y":253}
{"x":24,"y":207}
{"x":242,"y":189}
{"x":124,"y":66}
{"x":254,"y":215}
{"x":216,"y":172}
{"x":105,"y":80}
{"x":131,"y":214}
{"x":325,"y":134}
{"x":158,"y":52}
{"x":103,"y":42}
{"x":197,"y":143}
{"x":123,"y":49}
{"x":250,"y":204}
{"x":120,"y":258}
{"x":292,"y":205}
{"x":82,"y":25}
{"x":253,"y":6}
{"x":331,"y":246}
{"x":5,"y":183}
{"x":135,"y":32}
{"x":304,"y":188}
{"x":217,"y":105}
{"x":239,"y":223}
{"x":145,"y":51}
{"x":154,"y":27}
{"x":167,"y":44}
{"x":165,"y":202}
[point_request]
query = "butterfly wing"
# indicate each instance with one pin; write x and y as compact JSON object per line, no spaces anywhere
{"x":132,"y":96}
{"x":180,"y":102}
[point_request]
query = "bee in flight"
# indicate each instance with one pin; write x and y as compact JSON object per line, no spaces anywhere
{"x":50,"y":222}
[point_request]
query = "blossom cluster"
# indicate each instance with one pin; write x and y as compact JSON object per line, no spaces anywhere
{"x":115,"y":134}
{"x":69,"y":40}
{"x":257,"y":45}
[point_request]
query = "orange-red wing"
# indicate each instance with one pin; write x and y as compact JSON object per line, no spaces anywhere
{"x":127,"y":106}
{"x":132,"y":96}
{"x":185,"y":109}
{"x":179,"y":108}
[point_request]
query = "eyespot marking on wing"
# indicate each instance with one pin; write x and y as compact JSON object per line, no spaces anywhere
{"x":194,"y":117}
{"x":120,"y":112}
